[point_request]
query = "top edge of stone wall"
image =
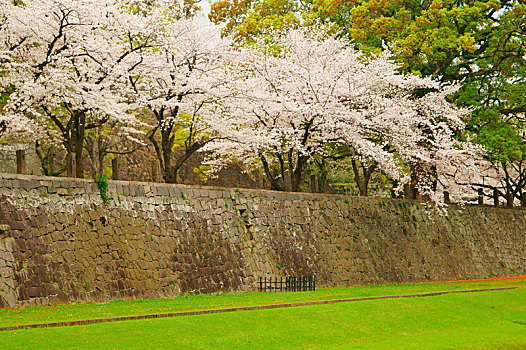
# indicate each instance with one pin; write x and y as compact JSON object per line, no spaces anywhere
{"x":65,"y":182}
{"x":88,"y":186}
{"x":15,"y":146}
{"x":76,"y":182}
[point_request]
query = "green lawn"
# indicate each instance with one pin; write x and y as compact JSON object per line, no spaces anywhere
{"x":487,"y":320}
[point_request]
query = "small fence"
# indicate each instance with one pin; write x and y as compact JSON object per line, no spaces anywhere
{"x":287,"y":284}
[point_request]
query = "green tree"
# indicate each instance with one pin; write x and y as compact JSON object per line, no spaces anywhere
{"x":246,"y":19}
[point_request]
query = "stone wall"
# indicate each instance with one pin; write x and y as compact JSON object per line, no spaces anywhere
{"x":60,"y":243}
{"x":8,"y":158}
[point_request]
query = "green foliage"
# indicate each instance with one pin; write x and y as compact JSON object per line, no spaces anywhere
{"x":503,"y":142}
{"x":479,"y":43}
{"x":202,"y":171}
{"x":428,"y":37}
{"x":4,"y":97}
{"x":248,"y":19}
{"x":102,"y":184}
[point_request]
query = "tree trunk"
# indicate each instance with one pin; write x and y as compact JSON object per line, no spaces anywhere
{"x":79,"y":133}
{"x":258,"y":178}
{"x":156,"y":170}
{"x":115,"y":169}
{"x":413,"y":185}
{"x":74,"y":143}
{"x":295,"y":178}
{"x":363,"y":186}
{"x":287,"y":180}
{"x":314,"y":183}
{"x":362,"y":182}
{"x":96,"y":164}
{"x":326,"y":188}
{"x":47,"y":161}
{"x":509,"y":200}
{"x":70,"y":164}
{"x":180,"y":160}
{"x":266,"y":168}
{"x":168,"y":168}
{"x":167,"y":143}
{"x":166,"y":165}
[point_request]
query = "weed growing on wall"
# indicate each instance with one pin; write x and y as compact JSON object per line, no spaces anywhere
{"x":102,"y":184}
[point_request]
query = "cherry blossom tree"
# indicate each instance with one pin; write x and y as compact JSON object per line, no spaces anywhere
{"x":303,"y":90}
{"x":403,"y":121}
{"x":181,"y":86}
{"x":284,"y":108}
{"x":68,"y":63}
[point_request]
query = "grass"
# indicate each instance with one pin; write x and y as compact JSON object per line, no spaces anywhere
{"x":71,"y":312}
{"x":489,"y":320}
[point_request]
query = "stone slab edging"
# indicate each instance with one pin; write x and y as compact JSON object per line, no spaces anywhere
{"x":244,"y":308}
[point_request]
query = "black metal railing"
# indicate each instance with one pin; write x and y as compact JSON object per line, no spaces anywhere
{"x":287,"y":284}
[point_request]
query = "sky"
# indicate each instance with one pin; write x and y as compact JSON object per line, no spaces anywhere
{"x":205,"y":5}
